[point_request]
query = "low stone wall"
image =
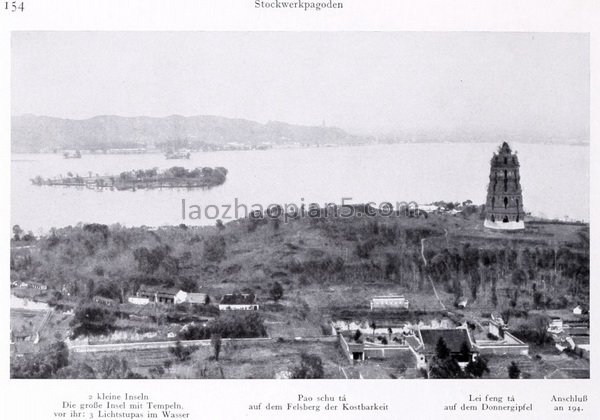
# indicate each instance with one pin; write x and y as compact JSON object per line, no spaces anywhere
{"x":349,"y":348}
{"x":142,"y":345}
{"x":510,"y":346}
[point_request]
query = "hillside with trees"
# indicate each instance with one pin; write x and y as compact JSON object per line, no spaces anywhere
{"x":545,"y":267}
{"x":32,"y":133}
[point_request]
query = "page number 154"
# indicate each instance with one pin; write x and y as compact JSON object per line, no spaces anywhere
{"x":14,"y":6}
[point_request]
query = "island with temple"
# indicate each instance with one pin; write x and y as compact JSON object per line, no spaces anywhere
{"x":175,"y":177}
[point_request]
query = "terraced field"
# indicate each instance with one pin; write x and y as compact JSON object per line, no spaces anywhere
{"x":238,"y":360}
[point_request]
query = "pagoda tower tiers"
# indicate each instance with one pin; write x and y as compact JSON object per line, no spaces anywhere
{"x":504,"y":204}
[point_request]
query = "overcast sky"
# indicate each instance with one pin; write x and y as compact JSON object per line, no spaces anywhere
{"x":484,"y":86}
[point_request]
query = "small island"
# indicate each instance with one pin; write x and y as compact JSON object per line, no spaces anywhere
{"x":175,"y":177}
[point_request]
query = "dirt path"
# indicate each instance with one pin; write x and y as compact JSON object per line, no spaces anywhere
{"x":428,"y":276}
{"x":43,"y":324}
{"x":423,"y":251}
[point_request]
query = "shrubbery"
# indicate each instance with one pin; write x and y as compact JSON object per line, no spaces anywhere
{"x":91,"y":319}
{"x":53,"y":362}
{"x":41,"y":365}
{"x":231,"y":324}
{"x":535,"y":329}
{"x":310,"y":367}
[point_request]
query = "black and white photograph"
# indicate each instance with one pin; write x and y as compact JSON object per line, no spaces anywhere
{"x":300,"y":205}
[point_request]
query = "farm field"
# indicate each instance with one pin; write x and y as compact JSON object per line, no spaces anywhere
{"x":238,"y":360}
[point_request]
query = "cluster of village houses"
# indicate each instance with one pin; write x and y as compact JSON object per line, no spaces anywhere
{"x":573,"y":333}
{"x":232,"y":301}
{"x":382,"y":341}
{"x":29,"y":285}
{"x":146,"y":295}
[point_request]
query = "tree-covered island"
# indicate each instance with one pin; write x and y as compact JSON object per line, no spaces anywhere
{"x":175,"y":177}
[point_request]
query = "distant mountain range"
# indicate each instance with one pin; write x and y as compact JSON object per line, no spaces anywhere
{"x":31,"y":133}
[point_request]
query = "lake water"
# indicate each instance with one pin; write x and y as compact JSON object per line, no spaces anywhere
{"x":555,"y":181}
